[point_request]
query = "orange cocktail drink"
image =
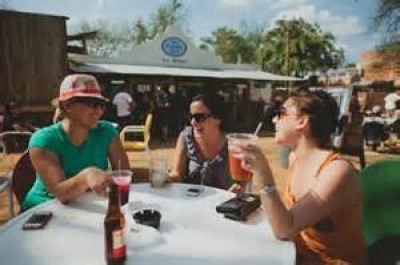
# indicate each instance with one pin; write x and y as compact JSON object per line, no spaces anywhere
{"x":235,"y":164}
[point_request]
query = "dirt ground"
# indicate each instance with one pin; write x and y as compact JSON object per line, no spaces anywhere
{"x":165,"y":150}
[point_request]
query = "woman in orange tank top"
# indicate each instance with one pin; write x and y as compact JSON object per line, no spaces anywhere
{"x":322,"y":208}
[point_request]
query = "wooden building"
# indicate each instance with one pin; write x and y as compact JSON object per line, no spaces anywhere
{"x":33,"y":58}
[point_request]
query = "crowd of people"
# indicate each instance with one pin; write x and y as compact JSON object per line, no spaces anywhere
{"x":167,"y":105}
{"x":381,"y":126}
{"x":321,"y":210}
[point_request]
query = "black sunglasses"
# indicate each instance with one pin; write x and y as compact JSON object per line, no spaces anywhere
{"x":199,"y":117}
{"x":93,"y":103}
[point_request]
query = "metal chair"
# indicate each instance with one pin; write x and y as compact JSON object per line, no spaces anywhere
{"x":11,"y":142}
{"x":381,"y":210}
{"x":143,"y":132}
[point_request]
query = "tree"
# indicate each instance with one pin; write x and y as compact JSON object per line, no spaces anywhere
{"x":140,"y":32}
{"x":234,"y":46}
{"x":388,"y":15}
{"x":109,"y":39}
{"x":298,"y":47}
{"x":171,"y":13}
{"x":226,"y":43}
{"x":112,"y":39}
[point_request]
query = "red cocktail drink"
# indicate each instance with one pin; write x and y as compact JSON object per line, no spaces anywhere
{"x":123,"y":187}
{"x":235,"y":140}
{"x":237,"y":171}
{"x":123,"y":179}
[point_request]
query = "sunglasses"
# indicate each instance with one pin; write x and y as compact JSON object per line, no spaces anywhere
{"x":92,"y":103}
{"x":199,"y":117}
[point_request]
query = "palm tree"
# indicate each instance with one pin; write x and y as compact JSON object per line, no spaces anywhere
{"x":297,"y":47}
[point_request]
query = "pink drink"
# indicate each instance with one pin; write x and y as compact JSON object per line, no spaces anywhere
{"x":123,"y":179}
{"x":123,"y":188}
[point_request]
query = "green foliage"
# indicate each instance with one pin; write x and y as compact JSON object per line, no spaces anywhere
{"x":387,"y":17}
{"x":234,"y":46}
{"x":291,"y":47}
{"x":297,"y":47}
{"x":110,"y":40}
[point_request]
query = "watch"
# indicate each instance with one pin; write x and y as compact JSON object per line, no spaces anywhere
{"x":267,"y":189}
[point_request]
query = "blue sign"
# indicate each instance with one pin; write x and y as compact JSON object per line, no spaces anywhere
{"x":174,"y":46}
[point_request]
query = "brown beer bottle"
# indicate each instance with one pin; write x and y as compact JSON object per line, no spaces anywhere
{"x":114,"y":223}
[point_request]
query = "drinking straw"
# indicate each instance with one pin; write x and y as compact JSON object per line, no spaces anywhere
{"x":258,"y":128}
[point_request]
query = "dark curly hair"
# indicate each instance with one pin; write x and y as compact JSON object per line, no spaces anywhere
{"x":323,"y":111}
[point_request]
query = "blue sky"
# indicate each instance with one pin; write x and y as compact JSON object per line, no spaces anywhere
{"x":348,"y":20}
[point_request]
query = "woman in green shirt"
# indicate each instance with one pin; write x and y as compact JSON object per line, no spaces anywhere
{"x":72,"y":155}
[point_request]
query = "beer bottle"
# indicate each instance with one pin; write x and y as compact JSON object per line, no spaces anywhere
{"x":114,"y":223}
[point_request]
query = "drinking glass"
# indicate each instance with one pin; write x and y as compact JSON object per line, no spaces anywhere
{"x":123,"y":178}
{"x":158,"y":172}
{"x":238,"y":173}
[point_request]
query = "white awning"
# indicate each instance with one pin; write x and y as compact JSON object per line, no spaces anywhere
{"x":184,"y":72}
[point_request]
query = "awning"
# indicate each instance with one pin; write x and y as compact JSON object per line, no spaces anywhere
{"x":183,"y":72}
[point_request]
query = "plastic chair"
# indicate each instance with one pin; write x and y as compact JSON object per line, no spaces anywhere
{"x":381,"y":208}
{"x":140,"y":131}
{"x":22,"y":177}
{"x":12,"y":142}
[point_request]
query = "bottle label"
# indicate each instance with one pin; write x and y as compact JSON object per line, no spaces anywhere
{"x":119,"y":246}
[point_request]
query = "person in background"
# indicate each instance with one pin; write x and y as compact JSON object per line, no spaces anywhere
{"x":201,"y":152}
{"x":2,"y":117}
{"x":163,"y":112}
{"x":72,"y":155}
{"x":14,"y":120}
{"x":323,"y":210}
{"x":125,"y":106}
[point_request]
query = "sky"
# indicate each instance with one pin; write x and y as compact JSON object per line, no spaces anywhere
{"x":349,"y":20}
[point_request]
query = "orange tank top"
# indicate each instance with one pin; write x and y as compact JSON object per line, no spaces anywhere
{"x":336,"y":238}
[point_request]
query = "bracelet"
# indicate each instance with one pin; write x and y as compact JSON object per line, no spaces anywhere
{"x":267,"y":189}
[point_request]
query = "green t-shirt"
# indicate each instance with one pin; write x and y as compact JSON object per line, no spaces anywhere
{"x":73,"y":159}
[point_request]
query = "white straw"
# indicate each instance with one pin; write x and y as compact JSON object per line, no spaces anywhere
{"x":258,"y":128}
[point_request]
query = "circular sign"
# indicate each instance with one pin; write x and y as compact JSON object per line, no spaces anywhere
{"x":174,"y":46}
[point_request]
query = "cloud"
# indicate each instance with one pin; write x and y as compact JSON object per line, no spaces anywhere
{"x":339,"y":25}
{"x":236,"y":3}
{"x":281,"y":4}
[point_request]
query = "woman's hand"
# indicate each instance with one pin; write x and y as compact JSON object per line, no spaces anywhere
{"x":237,"y":188}
{"x":97,"y":180}
{"x":253,"y":159}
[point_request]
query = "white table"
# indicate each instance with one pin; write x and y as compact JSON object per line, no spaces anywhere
{"x":191,"y":232}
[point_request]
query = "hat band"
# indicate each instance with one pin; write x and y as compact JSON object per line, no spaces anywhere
{"x":68,"y":93}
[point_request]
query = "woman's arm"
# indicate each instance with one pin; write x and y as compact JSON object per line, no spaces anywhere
{"x":179,"y":161}
{"x":48,"y":166}
{"x":336,"y":186}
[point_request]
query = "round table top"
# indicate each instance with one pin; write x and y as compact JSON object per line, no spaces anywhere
{"x":191,"y":232}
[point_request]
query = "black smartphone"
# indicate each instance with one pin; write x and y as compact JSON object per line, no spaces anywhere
{"x":194,"y":192}
{"x":37,"y":220}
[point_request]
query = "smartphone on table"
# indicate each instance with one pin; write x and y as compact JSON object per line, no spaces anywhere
{"x":37,"y":220}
